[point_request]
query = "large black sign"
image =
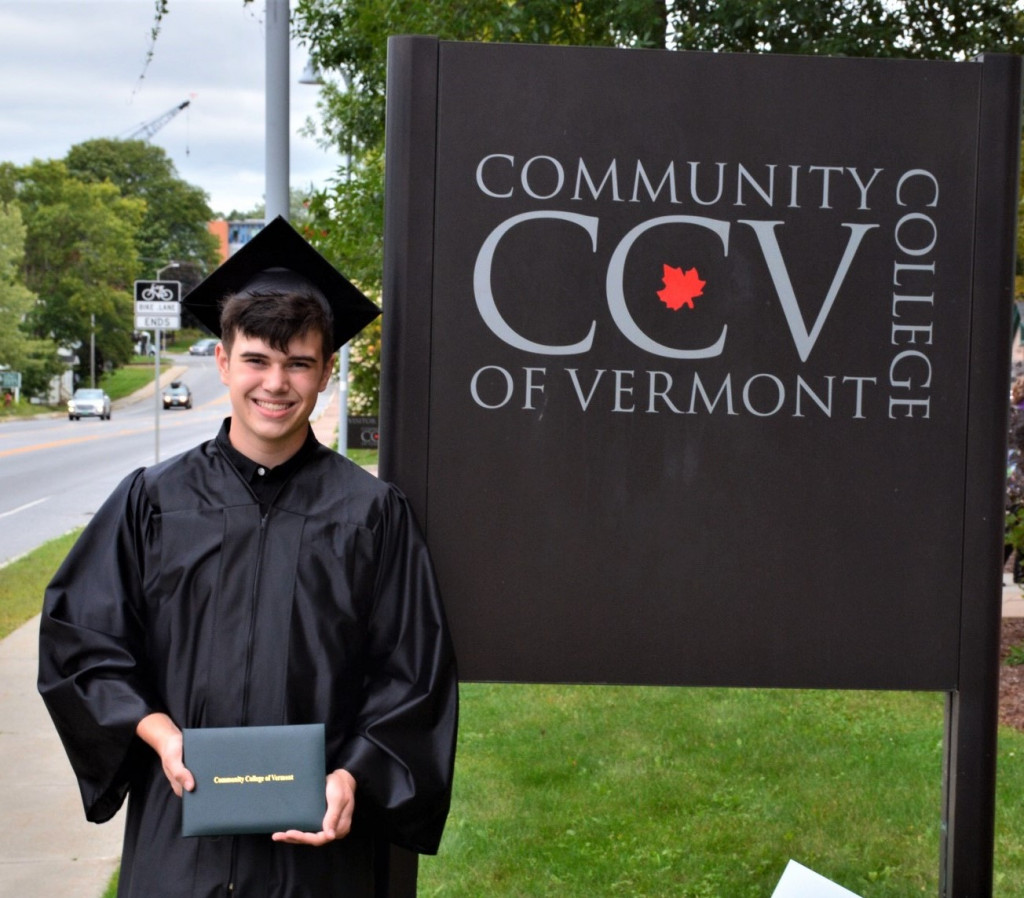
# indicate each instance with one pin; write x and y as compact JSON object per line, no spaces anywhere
{"x":699,"y":362}
{"x":696,"y":371}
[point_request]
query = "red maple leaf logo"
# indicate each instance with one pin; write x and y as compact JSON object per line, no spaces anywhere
{"x":681,"y":287}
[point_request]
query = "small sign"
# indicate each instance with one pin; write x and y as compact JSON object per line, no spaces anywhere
{"x":164,"y":322}
{"x":363,"y":432}
{"x":157,"y":308}
{"x":10,"y":380}
{"x":158,"y":305}
{"x":157,"y":292}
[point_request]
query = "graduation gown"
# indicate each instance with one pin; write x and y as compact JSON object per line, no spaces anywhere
{"x":184,"y":596}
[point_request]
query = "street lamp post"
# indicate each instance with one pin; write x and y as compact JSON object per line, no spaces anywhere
{"x":277,"y":100}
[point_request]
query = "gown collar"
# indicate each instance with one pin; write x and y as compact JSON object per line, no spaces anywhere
{"x":264,"y":481}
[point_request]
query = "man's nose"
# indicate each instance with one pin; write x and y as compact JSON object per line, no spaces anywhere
{"x":276,"y":378}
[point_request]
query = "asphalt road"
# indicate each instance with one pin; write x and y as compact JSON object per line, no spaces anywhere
{"x":55,"y":473}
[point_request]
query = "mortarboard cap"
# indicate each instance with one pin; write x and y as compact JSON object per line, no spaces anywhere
{"x":279,"y":258}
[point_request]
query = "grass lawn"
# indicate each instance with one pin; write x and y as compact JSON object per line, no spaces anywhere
{"x":698,"y":792}
{"x":683,"y":793}
{"x":703,"y":792}
{"x":23,"y":580}
{"x":126,"y":380}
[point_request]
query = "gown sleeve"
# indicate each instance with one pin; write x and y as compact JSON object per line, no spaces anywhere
{"x":403,"y":753}
{"x":91,"y":676}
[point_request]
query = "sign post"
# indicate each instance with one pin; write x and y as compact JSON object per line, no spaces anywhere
{"x":157,"y":306}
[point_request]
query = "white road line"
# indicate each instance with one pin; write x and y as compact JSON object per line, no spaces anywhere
{"x":5,"y":514}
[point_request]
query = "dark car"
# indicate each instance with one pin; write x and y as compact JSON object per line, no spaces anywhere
{"x":177,"y":395}
{"x":205,"y":346}
{"x":89,"y":402}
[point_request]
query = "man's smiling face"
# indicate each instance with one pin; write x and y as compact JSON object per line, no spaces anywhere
{"x":272,"y":393}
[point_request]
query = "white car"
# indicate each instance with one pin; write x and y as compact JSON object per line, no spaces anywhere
{"x":89,"y":403}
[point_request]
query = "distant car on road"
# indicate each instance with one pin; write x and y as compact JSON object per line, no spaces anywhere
{"x":177,"y":395}
{"x":89,"y":403}
{"x":205,"y":346}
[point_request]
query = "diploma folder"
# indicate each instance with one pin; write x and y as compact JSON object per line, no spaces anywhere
{"x":263,"y":779}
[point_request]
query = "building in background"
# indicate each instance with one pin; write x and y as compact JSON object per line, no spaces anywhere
{"x":232,"y":235}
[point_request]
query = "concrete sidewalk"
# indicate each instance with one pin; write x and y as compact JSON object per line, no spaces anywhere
{"x":48,"y":848}
{"x":326,"y":415}
{"x":1013,"y":597}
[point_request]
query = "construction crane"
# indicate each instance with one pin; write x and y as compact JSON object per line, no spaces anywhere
{"x":147,"y":129}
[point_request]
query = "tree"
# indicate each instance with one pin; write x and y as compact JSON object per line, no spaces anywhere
{"x":80,"y":259}
{"x":173,"y":228}
{"x":912,"y":29}
{"x":36,"y":360}
{"x":16,"y":299}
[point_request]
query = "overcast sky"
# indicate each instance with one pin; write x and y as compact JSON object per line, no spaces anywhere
{"x":73,"y":70}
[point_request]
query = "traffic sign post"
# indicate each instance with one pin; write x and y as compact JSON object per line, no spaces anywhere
{"x":157,"y":306}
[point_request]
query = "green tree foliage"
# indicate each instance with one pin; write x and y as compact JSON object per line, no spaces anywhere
{"x":364,"y":371}
{"x":298,"y":207}
{"x":16,"y":299}
{"x":173,"y":228}
{"x":913,"y":29}
{"x":36,"y":360}
{"x":80,"y":259}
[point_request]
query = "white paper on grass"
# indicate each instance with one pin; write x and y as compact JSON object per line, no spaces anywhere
{"x":799,"y":882}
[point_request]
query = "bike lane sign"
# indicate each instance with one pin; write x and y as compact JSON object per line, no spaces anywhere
{"x":158,"y":304}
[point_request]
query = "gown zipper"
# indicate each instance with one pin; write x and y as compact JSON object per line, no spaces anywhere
{"x":252,"y":621}
{"x":248,"y":671}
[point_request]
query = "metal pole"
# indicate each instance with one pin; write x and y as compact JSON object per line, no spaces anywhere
{"x":92,"y":351}
{"x":972,"y":710}
{"x":156,"y":393}
{"x":277,"y":98}
{"x":343,"y":400}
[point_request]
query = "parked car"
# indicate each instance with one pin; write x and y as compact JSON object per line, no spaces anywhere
{"x":86,"y":403}
{"x":177,"y":395}
{"x":205,"y":346}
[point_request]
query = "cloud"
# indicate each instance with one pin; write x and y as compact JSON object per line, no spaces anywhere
{"x":73,"y":71}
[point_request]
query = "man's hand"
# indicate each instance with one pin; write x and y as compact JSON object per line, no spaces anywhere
{"x":161,"y":734}
{"x":341,"y":802}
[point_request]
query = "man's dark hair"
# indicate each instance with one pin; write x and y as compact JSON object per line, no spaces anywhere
{"x":276,"y":319}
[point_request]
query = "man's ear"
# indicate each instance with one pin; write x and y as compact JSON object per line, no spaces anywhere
{"x":328,"y":371}
{"x":223,"y":362}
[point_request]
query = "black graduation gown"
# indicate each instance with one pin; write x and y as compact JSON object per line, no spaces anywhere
{"x":180,"y":596}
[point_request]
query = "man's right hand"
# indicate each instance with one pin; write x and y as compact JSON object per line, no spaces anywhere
{"x":161,"y":734}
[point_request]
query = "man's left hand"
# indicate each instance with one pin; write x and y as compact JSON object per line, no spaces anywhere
{"x":341,"y":802}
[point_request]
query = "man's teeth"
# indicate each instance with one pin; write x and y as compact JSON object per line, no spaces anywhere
{"x":272,"y":406}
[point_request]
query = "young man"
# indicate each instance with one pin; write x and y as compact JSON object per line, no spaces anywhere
{"x":259,"y":579}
